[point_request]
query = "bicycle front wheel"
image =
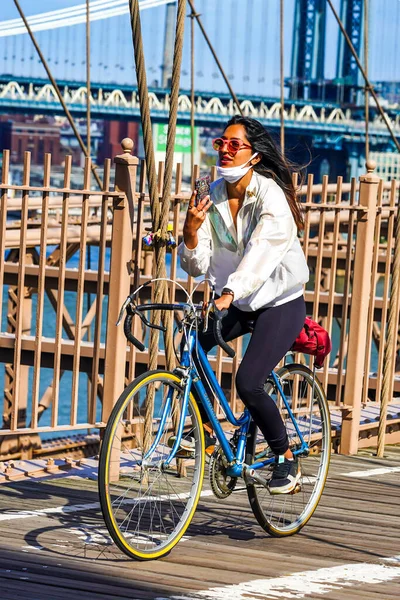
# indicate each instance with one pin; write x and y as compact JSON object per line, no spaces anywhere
{"x":285,"y":514}
{"x":147,"y":505}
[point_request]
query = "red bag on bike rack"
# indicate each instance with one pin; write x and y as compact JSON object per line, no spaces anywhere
{"x":313,"y":339}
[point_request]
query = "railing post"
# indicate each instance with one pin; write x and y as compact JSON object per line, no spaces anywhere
{"x":360,"y":299}
{"x":120,"y":271}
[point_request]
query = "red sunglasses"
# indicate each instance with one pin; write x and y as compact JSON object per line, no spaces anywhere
{"x":233,"y":146}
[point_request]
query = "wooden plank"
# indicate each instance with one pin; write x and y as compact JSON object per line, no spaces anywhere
{"x":357,"y":521}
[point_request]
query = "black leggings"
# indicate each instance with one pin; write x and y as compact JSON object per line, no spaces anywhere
{"x":275,"y":330}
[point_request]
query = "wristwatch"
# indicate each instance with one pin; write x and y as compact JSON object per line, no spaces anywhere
{"x":227,"y":292}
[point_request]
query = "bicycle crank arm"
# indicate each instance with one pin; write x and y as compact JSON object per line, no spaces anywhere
{"x":252,"y":476}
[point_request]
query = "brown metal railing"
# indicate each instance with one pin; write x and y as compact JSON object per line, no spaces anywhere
{"x":55,"y":225}
{"x":348,"y":241}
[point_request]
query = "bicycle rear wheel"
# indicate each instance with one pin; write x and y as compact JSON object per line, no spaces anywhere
{"x":146,"y":505}
{"x":285,"y":514}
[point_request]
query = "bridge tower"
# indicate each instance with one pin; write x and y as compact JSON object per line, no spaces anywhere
{"x":347,"y":73}
{"x":308,"y":52}
{"x":307,"y":79}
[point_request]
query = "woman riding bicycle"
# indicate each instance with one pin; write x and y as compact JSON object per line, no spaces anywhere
{"x":244,"y":236}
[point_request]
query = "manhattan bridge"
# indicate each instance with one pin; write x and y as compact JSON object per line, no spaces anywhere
{"x":324,"y":108}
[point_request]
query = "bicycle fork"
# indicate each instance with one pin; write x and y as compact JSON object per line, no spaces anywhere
{"x":146,"y":462}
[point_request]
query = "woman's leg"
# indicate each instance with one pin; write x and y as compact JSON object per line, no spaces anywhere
{"x":274,"y":332}
{"x":233,"y":326}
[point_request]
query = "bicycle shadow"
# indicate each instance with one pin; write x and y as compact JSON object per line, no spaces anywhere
{"x":74,"y":522}
{"x":84,"y":534}
{"x":225,"y":518}
{"x":50,"y":577}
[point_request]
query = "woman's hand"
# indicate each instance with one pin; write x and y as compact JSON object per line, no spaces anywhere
{"x":224,"y":301}
{"x":195,"y":218}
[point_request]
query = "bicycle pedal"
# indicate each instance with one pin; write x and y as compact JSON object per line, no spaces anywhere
{"x":296,"y":489}
{"x":182,"y":453}
{"x":210,"y":450}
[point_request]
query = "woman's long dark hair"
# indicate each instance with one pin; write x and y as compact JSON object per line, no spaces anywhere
{"x":272,"y":164}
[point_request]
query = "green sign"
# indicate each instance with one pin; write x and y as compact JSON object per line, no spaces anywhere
{"x":182,"y":140}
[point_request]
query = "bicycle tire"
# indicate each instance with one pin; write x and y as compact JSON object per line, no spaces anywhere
{"x":147,"y":508}
{"x":285,"y":514}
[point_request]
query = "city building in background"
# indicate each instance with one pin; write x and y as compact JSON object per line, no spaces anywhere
{"x":38,"y":136}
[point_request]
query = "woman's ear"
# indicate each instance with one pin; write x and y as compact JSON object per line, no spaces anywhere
{"x":256,"y":160}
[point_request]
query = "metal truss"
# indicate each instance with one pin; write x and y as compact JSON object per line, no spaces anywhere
{"x":117,"y":103}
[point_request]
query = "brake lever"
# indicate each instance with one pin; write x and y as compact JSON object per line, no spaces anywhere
{"x":209,"y":308}
{"x":123,"y":309}
{"x":212,"y":287}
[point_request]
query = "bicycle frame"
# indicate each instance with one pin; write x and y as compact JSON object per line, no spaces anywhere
{"x":236,"y":461}
{"x":154,"y":488}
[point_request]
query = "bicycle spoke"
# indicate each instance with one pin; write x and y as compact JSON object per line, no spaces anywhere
{"x":149,"y":505}
{"x":284,"y":514}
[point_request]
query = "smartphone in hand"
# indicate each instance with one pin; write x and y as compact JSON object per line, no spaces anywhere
{"x":202,"y":186}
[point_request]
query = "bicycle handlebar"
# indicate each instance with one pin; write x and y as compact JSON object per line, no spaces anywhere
{"x":128,"y":333}
{"x":138,"y":310}
{"x":218,"y":316}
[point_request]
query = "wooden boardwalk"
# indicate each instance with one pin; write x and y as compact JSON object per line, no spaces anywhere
{"x":53,"y":544}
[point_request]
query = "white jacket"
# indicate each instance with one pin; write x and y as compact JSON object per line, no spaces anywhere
{"x":262,"y":262}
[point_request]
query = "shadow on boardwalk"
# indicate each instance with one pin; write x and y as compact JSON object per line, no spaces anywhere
{"x":61,"y":549}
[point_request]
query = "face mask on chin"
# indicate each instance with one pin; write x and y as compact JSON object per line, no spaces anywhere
{"x":233,"y":174}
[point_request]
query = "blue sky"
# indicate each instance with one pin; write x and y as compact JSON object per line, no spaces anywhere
{"x":245,"y":34}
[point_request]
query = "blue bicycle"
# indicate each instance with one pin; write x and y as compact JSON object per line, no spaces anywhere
{"x":152,"y":459}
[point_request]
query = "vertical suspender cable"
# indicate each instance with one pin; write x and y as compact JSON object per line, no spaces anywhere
{"x":366,"y":93}
{"x":217,"y":35}
{"x":88,"y":146}
{"x":249,"y":34}
{"x":68,"y":55}
{"x":232,"y":39}
{"x":192,"y":16}
{"x":88,"y":140}
{"x":14,"y":53}
{"x":263,"y":32}
{"x":282,"y":75}
{"x":207,"y":39}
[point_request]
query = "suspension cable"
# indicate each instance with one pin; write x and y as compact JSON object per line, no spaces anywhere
{"x":88,"y":124}
{"x":192,"y":100}
{"x":366,"y":65}
{"x":145,"y":110}
{"x":282,"y":74}
{"x":57,"y":90}
{"x":74,"y":16}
